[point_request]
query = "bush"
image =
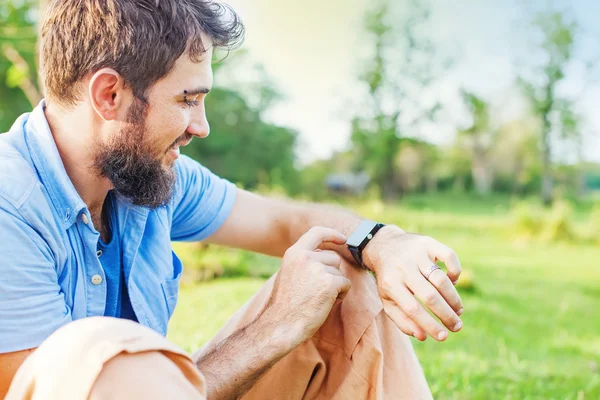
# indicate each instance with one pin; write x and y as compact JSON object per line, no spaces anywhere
{"x":558,"y":224}
{"x":533,"y":222}
{"x":528,"y":220}
{"x":591,"y":231}
{"x":203,"y":262}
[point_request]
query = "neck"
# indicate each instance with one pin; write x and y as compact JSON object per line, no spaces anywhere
{"x":75,"y":136}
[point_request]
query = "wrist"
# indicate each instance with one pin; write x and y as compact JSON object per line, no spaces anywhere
{"x":284,"y":336}
{"x":372,"y":251}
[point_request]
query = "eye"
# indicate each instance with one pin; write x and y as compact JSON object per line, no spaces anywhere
{"x":191,"y":103}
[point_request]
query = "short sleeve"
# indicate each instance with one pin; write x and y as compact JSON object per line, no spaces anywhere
{"x":201,"y":203}
{"x":32,"y":305}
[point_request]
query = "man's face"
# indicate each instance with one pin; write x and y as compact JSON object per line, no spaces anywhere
{"x":139,"y":158}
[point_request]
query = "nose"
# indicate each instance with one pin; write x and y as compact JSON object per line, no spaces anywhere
{"x":198,"y":125}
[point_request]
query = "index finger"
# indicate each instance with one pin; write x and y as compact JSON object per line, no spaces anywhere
{"x":439,"y":251}
{"x":317,"y":235}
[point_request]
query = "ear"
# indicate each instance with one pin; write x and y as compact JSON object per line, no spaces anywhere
{"x":107,"y":94}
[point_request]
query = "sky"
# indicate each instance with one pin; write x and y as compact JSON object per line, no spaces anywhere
{"x":312,"y":51}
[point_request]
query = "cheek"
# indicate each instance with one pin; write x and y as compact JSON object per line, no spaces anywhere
{"x":167,"y":127}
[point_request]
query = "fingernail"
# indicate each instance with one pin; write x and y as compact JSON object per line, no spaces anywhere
{"x":454,"y":283}
{"x":457,"y":326}
{"x":442,"y":335}
{"x":416,"y":337}
{"x":459,"y":312}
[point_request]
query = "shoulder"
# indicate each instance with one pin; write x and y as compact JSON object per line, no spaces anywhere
{"x":17,"y":175}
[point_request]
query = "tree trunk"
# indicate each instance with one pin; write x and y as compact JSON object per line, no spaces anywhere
{"x":387,"y":184}
{"x":481,"y":175}
{"x":515,"y":187}
{"x":480,"y":170}
{"x":547,"y":183}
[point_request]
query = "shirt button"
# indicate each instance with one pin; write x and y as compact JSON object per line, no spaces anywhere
{"x":84,"y":219}
{"x":96,"y":279}
{"x":99,"y":253}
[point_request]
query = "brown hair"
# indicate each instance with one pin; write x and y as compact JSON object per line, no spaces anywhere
{"x":140,"y":39}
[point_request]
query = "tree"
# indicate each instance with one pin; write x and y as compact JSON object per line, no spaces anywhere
{"x":242,"y":147}
{"x":478,"y":139}
{"x":541,"y":89}
{"x":18,"y":88}
{"x":402,"y":67}
{"x":516,"y":161}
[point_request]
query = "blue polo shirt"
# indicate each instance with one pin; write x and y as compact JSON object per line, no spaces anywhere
{"x":117,"y":296}
{"x":50,"y":273}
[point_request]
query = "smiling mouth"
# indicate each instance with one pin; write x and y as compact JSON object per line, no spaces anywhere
{"x":180,"y":143}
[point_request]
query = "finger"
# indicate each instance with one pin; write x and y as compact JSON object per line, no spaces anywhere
{"x":439,"y":251}
{"x":431,"y":298}
{"x":328,"y":257}
{"x":342,"y":285}
{"x":443,"y":285}
{"x":317,"y":235}
{"x":415,"y":311}
{"x":402,"y":321}
{"x":333,"y":271}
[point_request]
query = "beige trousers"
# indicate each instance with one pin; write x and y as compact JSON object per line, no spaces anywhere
{"x":358,"y":353}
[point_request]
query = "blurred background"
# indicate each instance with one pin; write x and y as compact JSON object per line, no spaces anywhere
{"x":473,"y":122}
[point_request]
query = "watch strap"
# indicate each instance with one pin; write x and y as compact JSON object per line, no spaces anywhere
{"x":356,"y":250}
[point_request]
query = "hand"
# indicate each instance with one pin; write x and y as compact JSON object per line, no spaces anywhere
{"x":400,"y":260}
{"x":308,"y":284}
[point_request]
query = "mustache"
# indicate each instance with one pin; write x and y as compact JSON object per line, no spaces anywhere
{"x":183,"y":139}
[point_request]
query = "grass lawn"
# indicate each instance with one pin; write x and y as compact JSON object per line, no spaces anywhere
{"x":532,"y":322}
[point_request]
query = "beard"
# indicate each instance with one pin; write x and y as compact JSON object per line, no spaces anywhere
{"x":136,"y":170}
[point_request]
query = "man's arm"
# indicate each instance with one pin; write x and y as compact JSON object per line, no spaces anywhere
{"x":270,"y":226}
{"x":9,"y":364}
{"x":32,"y":306}
{"x":305,"y":289}
{"x":235,"y":364}
{"x":400,"y":260}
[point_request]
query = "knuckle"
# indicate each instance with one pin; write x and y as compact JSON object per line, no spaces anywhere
{"x":450,"y":254}
{"x":412,"y":309}
{"x":290,"y":254}
{"x":317,"y":229}
{"x":386,"y":287}
{"x":457,"y":305}
{"x":305,"y":255}
{"x":440,"y":280}
{"x":315,"y":267}
{"x":430,"y":297}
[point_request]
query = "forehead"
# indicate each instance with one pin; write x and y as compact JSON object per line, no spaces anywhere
{"x":187,"y":75}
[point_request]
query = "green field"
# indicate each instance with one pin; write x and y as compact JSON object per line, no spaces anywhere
{"x":531,"y":322}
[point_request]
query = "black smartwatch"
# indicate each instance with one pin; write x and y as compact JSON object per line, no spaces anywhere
{"x":360,"y":238}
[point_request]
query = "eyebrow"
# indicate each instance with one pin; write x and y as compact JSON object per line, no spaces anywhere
{"x":195,"y":92}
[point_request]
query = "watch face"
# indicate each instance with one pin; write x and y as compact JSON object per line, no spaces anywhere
{"x":361,"y":233}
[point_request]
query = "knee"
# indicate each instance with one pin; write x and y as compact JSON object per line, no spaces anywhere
{"x":146,"y":375}
{"x":72,"y":358}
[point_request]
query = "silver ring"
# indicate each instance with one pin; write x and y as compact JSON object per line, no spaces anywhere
{"x":430,"y":271}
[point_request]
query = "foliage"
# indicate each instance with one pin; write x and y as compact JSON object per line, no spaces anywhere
{"x":554,"y":225}
{"x":556,"y":113}
{"x":395,"y":85}
{"x":243,"y":148}
{"x":478,"y":139}
{"x":206,"y":262}
{"x":17,"y":31}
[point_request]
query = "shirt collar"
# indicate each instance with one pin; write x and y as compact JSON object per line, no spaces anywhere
{"x":50,"y":168}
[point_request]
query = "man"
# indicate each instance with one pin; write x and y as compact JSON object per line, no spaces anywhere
{"x":93,"y":190}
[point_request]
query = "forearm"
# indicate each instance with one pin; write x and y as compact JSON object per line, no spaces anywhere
{"x":235,"y":364}
{"x":343,"y":220}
